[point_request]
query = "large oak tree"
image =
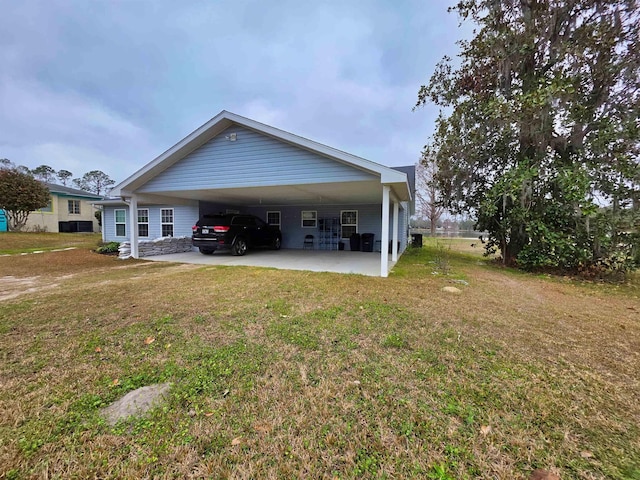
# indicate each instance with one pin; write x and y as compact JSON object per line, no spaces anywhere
{"x":539,"y":130}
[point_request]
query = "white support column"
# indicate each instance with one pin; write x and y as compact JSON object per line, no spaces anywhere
{"x":103,"y":230}
{"x":394,"y":247}
{"x":384,"y":241}
{"x":133,"y":225}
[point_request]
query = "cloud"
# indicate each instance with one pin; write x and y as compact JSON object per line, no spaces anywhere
{"x":112,"y":85}
{"x":47,"y":113}
{"x":76,"y":159}
{"x":65,"y":130}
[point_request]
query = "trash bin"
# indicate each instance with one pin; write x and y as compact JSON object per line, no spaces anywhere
{"x":416,"y":240}
{"x":367,"y":242}
{"x":354,"y":242}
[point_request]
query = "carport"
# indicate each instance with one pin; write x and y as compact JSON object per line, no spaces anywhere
{"x":236,"y":165}
{"x":362,"y":263}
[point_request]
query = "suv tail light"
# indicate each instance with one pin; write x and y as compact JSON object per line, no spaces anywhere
{"x":221,"y":228}
{"x":194,"y":228}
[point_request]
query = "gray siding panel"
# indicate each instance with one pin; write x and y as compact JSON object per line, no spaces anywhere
{"x":252,"y":160}
{"x":369,"y":221}
{"x":403,"y":222}
{"x":184,"y":217}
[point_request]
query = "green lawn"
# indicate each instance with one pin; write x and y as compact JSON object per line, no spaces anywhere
{"x":283,"y":374}
{"x":27,"y":242}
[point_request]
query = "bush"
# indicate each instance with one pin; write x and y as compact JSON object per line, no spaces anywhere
{"x":110,"y":248}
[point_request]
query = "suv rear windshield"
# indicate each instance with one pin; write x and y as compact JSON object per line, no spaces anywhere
{"x":215,"y":220}
{"x":244,"y":221}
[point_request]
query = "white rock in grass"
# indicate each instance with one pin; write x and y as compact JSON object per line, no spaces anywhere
{"x":136,"y":403}
{"x":451,"y":290}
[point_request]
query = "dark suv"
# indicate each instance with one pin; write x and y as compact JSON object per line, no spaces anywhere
{"x":236,"y":232}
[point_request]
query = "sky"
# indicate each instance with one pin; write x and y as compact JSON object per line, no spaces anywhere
{"x":110,"y":85}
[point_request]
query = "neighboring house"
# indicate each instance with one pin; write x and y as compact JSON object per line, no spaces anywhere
{"x":234,"y":164}
{"x":69,"y":210}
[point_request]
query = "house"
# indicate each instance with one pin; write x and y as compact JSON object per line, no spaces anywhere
{"x":69,"y":210}
{"x":235,"y":164}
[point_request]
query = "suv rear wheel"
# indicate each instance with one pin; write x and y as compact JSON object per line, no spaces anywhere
{"x":206,"y":251}
{"x":239,"y":247}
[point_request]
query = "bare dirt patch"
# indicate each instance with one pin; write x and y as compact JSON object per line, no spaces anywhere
{"x":12,"y":287}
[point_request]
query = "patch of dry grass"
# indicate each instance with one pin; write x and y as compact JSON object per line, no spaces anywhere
{"x":297,"y":374}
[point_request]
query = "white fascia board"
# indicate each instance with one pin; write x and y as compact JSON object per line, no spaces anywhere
{"x":400,"y":191}
{"x":112,"y":201}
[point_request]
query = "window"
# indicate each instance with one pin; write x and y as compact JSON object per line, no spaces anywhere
{"x":74,"y":207}
{"x":273,"y":218}
{"x":143,"y":222}
{"x":349,"y":222}
{"x":120,"y":216}
{"x":166,"y":220}
{"x":309,"y":219}
{"x":48,"y":208}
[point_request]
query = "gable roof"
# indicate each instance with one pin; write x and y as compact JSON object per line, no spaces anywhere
{"x":70,"y":192}
{"x":226,"y":119}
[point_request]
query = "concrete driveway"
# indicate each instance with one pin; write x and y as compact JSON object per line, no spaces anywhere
{"x":363,"y":263}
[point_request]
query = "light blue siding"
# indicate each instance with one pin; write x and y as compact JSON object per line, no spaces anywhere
{"x":253,"y":160}
{"x":403,"y":225}
{"x":184,"y":217}
{"x":109,"y":223}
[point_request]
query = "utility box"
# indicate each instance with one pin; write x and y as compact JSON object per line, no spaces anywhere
{"x":416,"y":240}
{"x":4,"y":222}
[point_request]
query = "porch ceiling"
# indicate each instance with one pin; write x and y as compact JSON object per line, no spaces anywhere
{"x":301,"y":194}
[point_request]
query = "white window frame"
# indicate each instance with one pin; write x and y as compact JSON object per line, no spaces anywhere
{"x":124,"y":223}
{"x":342,"y":212}
{"x":312,"y":216}
{"x":279,"y":224}
{"x":163,"y":223}
{"x":142,"y":223}
{"x":75,"y":203}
